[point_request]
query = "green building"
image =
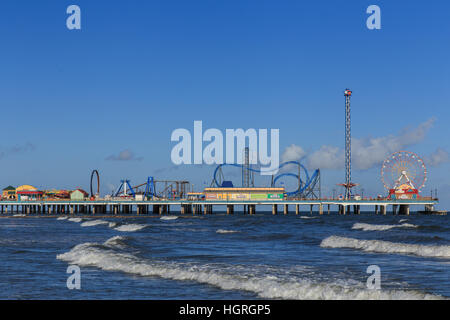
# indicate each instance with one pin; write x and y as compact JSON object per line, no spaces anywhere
{"x":9,"y":193}
{"x":78,"y":195}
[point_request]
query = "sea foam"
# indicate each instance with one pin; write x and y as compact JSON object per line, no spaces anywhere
{"x":168,"y":218}
{"x":380,"y":246}
{"x":91,"y":223}
{"x":109,"y":256}
{"x":226,"y":231}
{"x":381,"y":227}
{"x":130,"y":227}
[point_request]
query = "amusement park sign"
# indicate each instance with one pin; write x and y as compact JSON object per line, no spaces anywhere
{"x":213,"y":153}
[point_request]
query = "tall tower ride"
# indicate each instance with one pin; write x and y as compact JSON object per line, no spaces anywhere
{"x":348,"y":146}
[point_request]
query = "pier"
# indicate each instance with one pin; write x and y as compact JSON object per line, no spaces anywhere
{"x":123,"y":207}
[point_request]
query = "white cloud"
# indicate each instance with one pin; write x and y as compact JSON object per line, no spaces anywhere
{"x":438,"y":157}
{"x":292,"y":153}
{"x":327,"y":157}
{"x":366,"y":152}
{"x":125,"y":155}
{"x":369,"y":152}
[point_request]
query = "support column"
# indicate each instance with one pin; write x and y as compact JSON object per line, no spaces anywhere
{"x":286,"y":209}
{"x":297,"y":209}
{"x":404,"y":209}
{"x":320,"y":209}
{"x":274,"y":209}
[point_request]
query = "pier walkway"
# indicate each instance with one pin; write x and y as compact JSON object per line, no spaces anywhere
{"x":121,"y":206}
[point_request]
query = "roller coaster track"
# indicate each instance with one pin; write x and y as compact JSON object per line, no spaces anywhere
{"x":308,"y":185}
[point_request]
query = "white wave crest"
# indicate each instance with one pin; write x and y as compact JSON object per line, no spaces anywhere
{"x":168,"y":218}
{"x":130,"y":227}
{"x":93,"y":223}
{"x":226,"y":231}
{"x":112,"y":224}
{"x":116,"y":242}
{"x":307,"y":217}
{"x":270,"y":287}
{"x":75,"y":219}
{"x":403,"y":220}
{"x":61,"y":218}
{"x":19,"y":215}
{"x":381,"y":227}
{"x":387,"y":247}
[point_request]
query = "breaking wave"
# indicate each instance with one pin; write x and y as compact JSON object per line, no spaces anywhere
{"x":307,"y":217}
{"x":75,"y":219}
{"x":130,"y":227}
{"x":61,"y":218}
{"x":387,"y":247}
{"x":381,"y":227}
{"x":93,"y":223}
{"x":168,"y":218}
{"x":109,"y":256}
{"x":226,"y":231}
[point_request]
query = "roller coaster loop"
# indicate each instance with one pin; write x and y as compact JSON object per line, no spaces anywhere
{"x":302,"y":186}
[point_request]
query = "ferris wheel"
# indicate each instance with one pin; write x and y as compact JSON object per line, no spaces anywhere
{"x":403,"y":167}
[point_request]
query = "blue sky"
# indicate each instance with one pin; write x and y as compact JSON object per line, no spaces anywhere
{"x":72,"y":100}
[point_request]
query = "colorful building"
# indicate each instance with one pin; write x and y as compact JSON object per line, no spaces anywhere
{"x":244,"y":194}
{"x":404,"y":191}
{"x":56,"y":194}
{"x":27,"y":192}
{"x":9,"y":193}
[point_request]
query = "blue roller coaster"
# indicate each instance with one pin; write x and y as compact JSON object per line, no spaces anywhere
{"x":169,"y":189}
{"x":309,"y":187}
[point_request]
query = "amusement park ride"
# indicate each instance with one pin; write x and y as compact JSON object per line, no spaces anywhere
{"x":308,"y":187}
{"x":403,"y":174}
{"x":172,"y":189}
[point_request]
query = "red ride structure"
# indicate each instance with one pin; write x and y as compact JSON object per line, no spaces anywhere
{"x":403,"y":174}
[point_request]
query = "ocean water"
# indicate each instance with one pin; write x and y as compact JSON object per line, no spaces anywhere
{"x":226,"y":257}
